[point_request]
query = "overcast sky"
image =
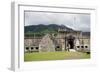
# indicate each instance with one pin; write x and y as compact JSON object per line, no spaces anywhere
{"x":74,"y":21}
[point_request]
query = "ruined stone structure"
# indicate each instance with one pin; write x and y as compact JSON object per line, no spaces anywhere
{"x":63,"y":41}
{"x":46,"y":44}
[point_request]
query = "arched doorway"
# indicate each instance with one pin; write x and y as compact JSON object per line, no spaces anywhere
{"x":70,"y":41}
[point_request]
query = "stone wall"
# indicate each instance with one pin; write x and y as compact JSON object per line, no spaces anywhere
{"x":49,"y":43}
{"x":46,"y":44}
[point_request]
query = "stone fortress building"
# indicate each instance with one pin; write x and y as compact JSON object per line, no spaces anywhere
{"x":63,"y":41}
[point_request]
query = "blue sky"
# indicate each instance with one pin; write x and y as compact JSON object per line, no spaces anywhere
{"x":74,"y":21}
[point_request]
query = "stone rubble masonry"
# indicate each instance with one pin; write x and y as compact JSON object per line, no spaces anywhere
{"x":46,"y":44}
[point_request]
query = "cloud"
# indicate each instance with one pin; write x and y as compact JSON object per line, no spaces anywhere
{"x":74,"y":21}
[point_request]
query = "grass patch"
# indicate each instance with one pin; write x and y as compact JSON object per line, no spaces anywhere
{"x":35,"y":56}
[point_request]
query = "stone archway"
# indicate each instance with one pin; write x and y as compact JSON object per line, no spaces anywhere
{"x":70,"y":41}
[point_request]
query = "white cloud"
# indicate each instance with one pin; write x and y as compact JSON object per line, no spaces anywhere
{"x":75,"y":21}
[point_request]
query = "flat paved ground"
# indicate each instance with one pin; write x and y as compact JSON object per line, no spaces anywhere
{"x":36,"y":56}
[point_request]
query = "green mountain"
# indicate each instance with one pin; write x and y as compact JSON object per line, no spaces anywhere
{"x":41,"y":28}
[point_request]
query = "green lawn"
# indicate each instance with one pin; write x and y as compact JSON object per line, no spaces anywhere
{"x":35,"y":56}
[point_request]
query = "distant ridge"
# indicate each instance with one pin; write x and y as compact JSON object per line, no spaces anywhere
{"x":40,"y":28}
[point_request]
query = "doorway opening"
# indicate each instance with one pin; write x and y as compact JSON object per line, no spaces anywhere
{"x":71,"y":41}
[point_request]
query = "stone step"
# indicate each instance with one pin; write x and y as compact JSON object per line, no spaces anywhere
{"x":72,"y":50}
